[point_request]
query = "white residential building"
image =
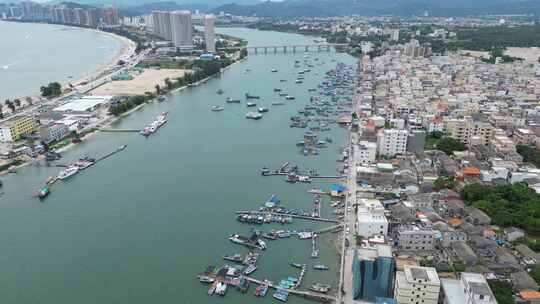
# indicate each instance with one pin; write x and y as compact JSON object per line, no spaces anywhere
{"x":471,"y":288}
{"x":391,"y":142}
{"x":366,"y":152}
{"x":209,"y":35}
{"x":182,"y":29}
{"x":371,"y":219}
{"x":162,"y":24}
{"x":417,"y":285}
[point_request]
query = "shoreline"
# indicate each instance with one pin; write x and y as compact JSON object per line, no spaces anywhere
{"x":127,"y":49}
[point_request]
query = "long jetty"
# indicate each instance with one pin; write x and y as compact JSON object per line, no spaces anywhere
{"x":306,"y":294}
{"x":304,"y":217}
{"x":118,"y":130}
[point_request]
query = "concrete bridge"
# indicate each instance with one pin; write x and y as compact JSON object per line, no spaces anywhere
{"x":265,"y":49}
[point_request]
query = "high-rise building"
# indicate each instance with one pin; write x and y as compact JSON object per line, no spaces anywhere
{"x":182,"y":29}
{"x":110,"y":16}
{"x":162,"y":24}
{"x":373,"y":272}
{"x":395,"y":35}
{"x":209,"y":35}
{"x":92,"y":17}
{"x":391,"y":142}
{"x":417,"y":285}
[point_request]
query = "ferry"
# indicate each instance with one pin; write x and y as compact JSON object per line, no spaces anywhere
{"x":216,"y":108}
{"x":68,"y":172}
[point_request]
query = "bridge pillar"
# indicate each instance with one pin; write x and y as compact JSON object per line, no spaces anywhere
{"x":294,"y":49}
{"x":255,"y":49}
{"x":275,"y":49}
{"x":285,"y":49}
{"x":265,"y":50}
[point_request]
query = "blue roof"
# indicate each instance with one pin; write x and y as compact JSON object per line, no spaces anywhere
{"x":274,"y":199}
{"x":338,"y":187}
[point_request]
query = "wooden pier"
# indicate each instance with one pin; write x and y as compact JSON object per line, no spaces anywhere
{"x":306,"y":294}
{"x":304,"y":217}
{"x":300,"y":277}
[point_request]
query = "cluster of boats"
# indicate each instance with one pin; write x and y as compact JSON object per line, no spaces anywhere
{"x":152,"y":127}
{"x":264,"y":218}
{"x":254,"y":241}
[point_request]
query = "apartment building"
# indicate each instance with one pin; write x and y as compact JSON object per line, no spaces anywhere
{"x":469,"y":131}
{"x":417,"y":285}
{"x":371,"y":219}
{"x":16,"y":127}
{"x":471,"y":288}
{"x":391,"y":142}
{"x":366,"y":152}
{"x":416,"y":239}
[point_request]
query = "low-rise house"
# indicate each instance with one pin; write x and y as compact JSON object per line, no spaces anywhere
{"x":53,"y":132}
{"x":416,"y":239}
{"x":477,"y":217}
{"x":448,"y":237}
{"x":512,"y":233}
{"x":523,"y":281}
{"x":528,"y":256}
{"x":462,"y":253}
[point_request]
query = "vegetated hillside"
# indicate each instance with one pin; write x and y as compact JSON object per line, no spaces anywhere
{"x":294,"y":8}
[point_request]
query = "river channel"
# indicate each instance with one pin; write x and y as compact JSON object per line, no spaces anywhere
{"x":139,"y":226}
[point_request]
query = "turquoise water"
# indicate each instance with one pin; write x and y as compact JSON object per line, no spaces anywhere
{"x":139,"y":226}
{"x":32,"y":55}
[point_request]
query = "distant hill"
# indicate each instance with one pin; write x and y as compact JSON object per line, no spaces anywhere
{"x":164,"y":6}
{"x":295,"y":8}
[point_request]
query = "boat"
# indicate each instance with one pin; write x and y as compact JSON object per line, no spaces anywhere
{"x":322,"y":288}
{"x":249,"y":269}
{"x":234,"y":258}
{"x":298,"y":81}
{"x":277,"y":103}
{"x":249,"y":96}
{"x":212,"y":288}
{"x":262,"y":110}
{"x":270,"y":236}
{"x":320,"y":267}
{"x":289,"y":97}
{"x":277,"y":90}
{"x":251,"y":104}
{"x":217,"y":108}
{"x":253,"y":115}
{"x":43,"y":192}
{"x":231,"y":100}
{"x":205,"y":279}
{"x":262,"y":289}
{"x":221,"y":289}
{"x":281,"y":294}
{"x":122,"y":147}
{"x":273,"y":70}
{"x":220,"y":91}
{"x":69,"y":171}
{"x":262,"y":244}
{"x":282,"y":80}
{"x":297,"y":265}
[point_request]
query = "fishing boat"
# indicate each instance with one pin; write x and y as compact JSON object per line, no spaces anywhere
{"x":249,"y":96}
{"x":289,"y":97}
{"x":249,"y":269}
{"x":281,"y":294}
{"x":231,"y":100}
{"x":251,"y":104}
{"x":277,"y":90}
{"x":253,"y":115}
{"x":220,"y":91}
{"x":318,"y":287}
{"x":282,"y":80}
{"x":212,"y":288}
{"x":270,"y":236}
{"x":297,"y":265}
{"x":205,"y":279}
{"x":262,"y":110}
{"x":277,"y":103}
{"x":262,"y":289}
{"x":234,"y":258}
{"x":221,"y":289}
{"x":273,"y":70}
{"x":216,"y":108}
{"x":320,"y":267}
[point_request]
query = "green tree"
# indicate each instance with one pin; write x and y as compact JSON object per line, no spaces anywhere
{"x":449,"y":145}
{"x":169,"y":84}
{"x":502,"y":291}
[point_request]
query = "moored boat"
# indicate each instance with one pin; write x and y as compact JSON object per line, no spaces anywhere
{"x":321,"y":267}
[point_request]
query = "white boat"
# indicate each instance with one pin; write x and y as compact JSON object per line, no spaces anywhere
{"x":262,"y":244}
{"x":253,"y":115}
{"x":217,"y":108}
{"x":69,"y":171}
